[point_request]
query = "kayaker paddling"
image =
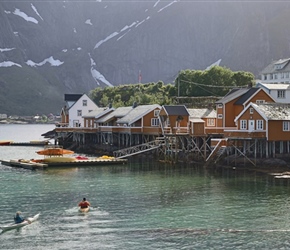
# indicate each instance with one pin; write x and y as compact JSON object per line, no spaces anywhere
{"x":84,"y":205}
{"x":18,"y":218}
{"x":15,"y":225}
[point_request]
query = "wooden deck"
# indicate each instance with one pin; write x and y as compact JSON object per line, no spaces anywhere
{"x":26,"y":164}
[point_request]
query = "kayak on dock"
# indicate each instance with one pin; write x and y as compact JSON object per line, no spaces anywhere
{"x":26,"y":222}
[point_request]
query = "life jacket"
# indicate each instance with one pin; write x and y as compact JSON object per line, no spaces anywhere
{"x":84,"y":204}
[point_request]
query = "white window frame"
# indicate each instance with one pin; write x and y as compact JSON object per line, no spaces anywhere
{"x":259,"y":124}
{"x":154,"y":122}
{"x":286,"y":126}
{"x":243,"y":124}
{"x":210,"y":122}
{"x":220,"y":106}
{"x":85,"y":103}
{"x":260,"y":101}
{"x":156,"y":113}
{"x":220,"y":116}
{"x":79,"y":112}
{"x":281,"y":94}
{"x":251,"y":110}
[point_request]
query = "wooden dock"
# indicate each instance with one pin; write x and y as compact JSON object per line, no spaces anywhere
{"x":30,"y":143}
{"x":26,"y":164}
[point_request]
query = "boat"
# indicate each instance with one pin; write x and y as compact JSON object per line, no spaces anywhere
{"x":5,"y":143}
{"x":26,"y":222}
{"x":54,"y":151}
{"x":84,"y":210}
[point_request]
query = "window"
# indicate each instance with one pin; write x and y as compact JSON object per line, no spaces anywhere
{"x":168,"y":121}
{"x":220,"y":106}
{"x":220,"y":116}
{"x":154,"y":122}
{"x":251,"y":111}
{"x":281,"y":94}
{"x":210,"y":122}
{"x":260,"y":101}
{"x":259,"y":124}
{"x":156,"y":113}
{"x":275,"y":76}
{"x":243,"y":125}
{"x":286,"y":126}
{"x":85,"y":103}
{"x":287,"y":75}
{"x":79,"y":113}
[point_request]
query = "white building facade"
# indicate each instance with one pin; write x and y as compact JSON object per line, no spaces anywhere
{"x":277,"y":72}
{"x":81,"y":107}
{"x":280,"y":92}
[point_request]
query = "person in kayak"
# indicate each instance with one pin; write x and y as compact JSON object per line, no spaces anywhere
{"x":18,"y":218}
{"x":84,"y":203}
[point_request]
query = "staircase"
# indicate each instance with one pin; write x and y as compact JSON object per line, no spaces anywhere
{"x":138,"y":149}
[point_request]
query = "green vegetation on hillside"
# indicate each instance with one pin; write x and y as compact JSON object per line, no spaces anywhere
{"x":216,"y":81}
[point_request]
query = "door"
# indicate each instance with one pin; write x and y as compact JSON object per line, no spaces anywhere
{"x":76,"y":123}
{"x":251,"y":125}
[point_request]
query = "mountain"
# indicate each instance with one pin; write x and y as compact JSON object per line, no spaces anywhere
{"x":52,"y":47}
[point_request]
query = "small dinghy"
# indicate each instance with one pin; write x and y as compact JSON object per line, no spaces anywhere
{"x":26,"y":222}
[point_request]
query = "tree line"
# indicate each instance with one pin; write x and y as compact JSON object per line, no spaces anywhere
{"x":216,"y":81}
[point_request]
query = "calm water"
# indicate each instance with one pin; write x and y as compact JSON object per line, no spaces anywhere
{"x":142,"y":205}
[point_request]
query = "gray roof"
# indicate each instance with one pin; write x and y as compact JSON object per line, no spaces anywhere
{"x":98,"y":112}
{"x":246,"y":96}
{"x":71,"y":99}
{"x":274,"y":86}
{"x":136,"y":113}
{"x":234,"y":93}
{"x":176,"y":110}
{"x":196,"y":120}
{"x":274,"y":111}
{"x":202,"y":113}
{"x":271,"y":67}
{"x":117,"y":113}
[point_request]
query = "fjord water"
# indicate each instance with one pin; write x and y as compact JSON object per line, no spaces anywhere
{"x":141,"y":205}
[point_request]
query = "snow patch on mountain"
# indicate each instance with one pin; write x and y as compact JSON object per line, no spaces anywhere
{"x":49,"y":60}
{"x":9,"y":64}
{"x":97,"y":75}
{"x":106,"y":39}
{"x":27,"y":18}
{"x":6,"y":49}
{"x":167,"y":6}
{"x":35,"y":10}
{"x":88,"y":22}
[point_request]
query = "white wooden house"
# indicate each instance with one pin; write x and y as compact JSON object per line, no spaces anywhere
{"x":77,"y":109}
{"x":280,"y":92}
{"x":277,"y":72}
